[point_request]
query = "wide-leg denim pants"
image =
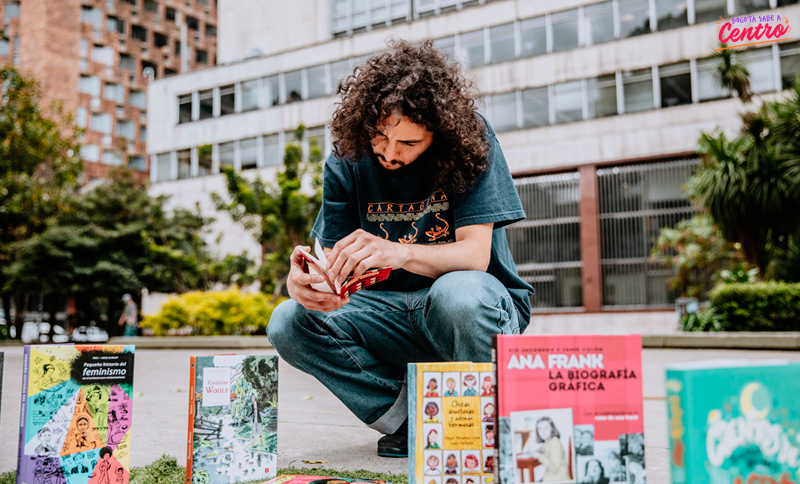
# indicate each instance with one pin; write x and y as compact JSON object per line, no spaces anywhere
{"x":360,"y":352}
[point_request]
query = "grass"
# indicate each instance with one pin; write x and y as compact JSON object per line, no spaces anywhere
{"x":165,"y":470}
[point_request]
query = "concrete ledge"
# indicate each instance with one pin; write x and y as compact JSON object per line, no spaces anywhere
{"x":731,"y":340}
{"x":201,"y":342}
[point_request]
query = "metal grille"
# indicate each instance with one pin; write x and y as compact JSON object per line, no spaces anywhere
{"x":546,"y":246}
{"x":636,"y":202}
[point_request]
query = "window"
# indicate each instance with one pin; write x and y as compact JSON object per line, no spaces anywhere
{"x":248,"y":149}
{"x":272,"y":150}
{"x":143,"y":134}
{"x":113,"y":24}
{"x":103,"y":55}
{"x":184,"y":164}
{"x":638,"y":89}
{"x":750,"y":6}
{"x":89,"y":15}
{"x":316,"y":140}
{"x":200,"y":56}
{"x":316,"y":81}
{"x":504,"y":111}
{"x":358,"y":15}
{"x":708,"y":88}
{"x":80,"y":117}
{"x":12,"y":10}
{"x":127,"y":62}
{"x":565,"y":30}
{"x":339,"y":70}
{"x":378,"y":14}
{"x":250,"y":95}
{"x":790,"y":64}
{"x":294,"y":86}
{"x":598,"y":23}
{"x":502,"y":43}
{"x":137,"y":163}
{"x":472,"y":48}
{"x":150,"y":6}
{"x":709,"y":10}
{"x":211,"y":30}
{"x":339,"y":17}
{"x":114,"y":92}
{"x":446,"y":45}
{"x":227,"y":99}
{"x":101,"y":122}
{"x":534,"y":37}
{"x":160,"y":40}
{"x":634,"y":18}
{"x":90,"y":153}
{"x":602,"y":96}
{"x":759,"y":63}
{"x":184,"y":108}
{"x":272,"y":84}
{"x":113,"y":158}
{"x":152,"y":67}
{"x":204,"y":160}
{"x":672,"y":14}
{"x":206,"y":100}
{"x":3,"y":47}
{"x":226,"y":155}
{"x":138,"y":99}
{"x":535,"y":107}
{"x":89,"y":85}
{"x":126,"y":129}
{"x":192,"y":22}
{"x":163,"y":168}
{"x":567,"y":101}
{"x":139,"y":33}
{"x":676,"y":84}
{"x":170,"y":14}
{"x":177,"y":48}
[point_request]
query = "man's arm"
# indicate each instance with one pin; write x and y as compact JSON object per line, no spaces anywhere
{"x":361,"y":251}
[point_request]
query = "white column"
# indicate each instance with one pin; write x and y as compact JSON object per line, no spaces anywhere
{"x":215,"y":100}
{"x":581,"y":30}
{"x":195,"y":162}
{"x":260,"y":151}
{"x":237,"y":157}
{"x":656,"y":88}
{"x":153,"y":168}
{"x":776,"y":66}
{"x":548,"y":29}
{"x":517,"y":39}
{"x":215,"y":158}
{"x":195,"y":106}
{"x":520,"y":118}
{"x":693,"y":76}
{"x":487,"y":46}
{"x":620,"y":94}
{"x":237,"y":97}
{"x":584,"y":99}
{"x":282,"y":88}
{"x":731,"y":6}
{"x":653,"y":17}
{"x":690,"y":11}
{"x":551,"y":105}
{"x":304,"y":83}
{"x":615,"y":14}
{"x":173,"y":165}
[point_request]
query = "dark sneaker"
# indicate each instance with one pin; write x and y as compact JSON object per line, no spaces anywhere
{"x":395,"y":445}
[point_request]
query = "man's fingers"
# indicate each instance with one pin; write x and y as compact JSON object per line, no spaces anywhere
{"x":306,"y":279}
{"x":367,"y":263}
{"x":352,"y":263}
{"x":334,"y":254}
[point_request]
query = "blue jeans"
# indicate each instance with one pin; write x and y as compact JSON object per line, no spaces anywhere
{"x":360,"y":352}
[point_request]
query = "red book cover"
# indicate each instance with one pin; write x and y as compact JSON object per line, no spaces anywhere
{"x":569,"y":409}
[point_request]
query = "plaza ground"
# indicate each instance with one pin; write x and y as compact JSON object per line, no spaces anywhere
{"x":313,"y":425}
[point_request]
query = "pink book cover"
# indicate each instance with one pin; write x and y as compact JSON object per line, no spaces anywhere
{"x":569,"y":409}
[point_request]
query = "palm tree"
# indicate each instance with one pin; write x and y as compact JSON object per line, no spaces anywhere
{"x":732,"y":75}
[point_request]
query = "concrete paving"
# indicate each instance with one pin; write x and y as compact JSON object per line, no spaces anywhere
{"x":317,"y":428}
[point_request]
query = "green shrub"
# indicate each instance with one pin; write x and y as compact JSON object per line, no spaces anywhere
{"x":229,"y":312}
{"x":759,"y":306}
{"x":707,"y":320}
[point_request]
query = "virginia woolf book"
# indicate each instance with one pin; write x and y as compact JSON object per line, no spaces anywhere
{"x":451,"y":423}
{"x":76,"y":415}
{"x":570,"y":409}
{"x":734,"y":422}
{"x":350,"y":285}
{"x":233,"y":419}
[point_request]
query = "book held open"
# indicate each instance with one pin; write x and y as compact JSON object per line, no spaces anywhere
{"x":319,"y":264}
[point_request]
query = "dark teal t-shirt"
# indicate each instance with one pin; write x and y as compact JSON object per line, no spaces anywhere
{"x":404,"y":206}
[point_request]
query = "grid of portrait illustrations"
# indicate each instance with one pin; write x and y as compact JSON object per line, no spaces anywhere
{"x":457,"y":415}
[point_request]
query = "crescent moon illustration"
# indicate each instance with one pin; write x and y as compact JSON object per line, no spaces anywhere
{"x":746,"y":401}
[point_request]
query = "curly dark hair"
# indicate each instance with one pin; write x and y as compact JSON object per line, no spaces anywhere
{"x":417,"y":81}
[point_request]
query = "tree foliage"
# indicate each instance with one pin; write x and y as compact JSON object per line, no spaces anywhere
{"x":279,"y":214}
{"x":39,"y":169}
{"x":733,"y":75}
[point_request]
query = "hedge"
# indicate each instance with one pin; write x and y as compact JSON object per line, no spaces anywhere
{"x":229,"y":312}
{"x":758,"y":306}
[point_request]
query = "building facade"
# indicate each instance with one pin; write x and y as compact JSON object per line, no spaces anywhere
{"x":598,"y":106}
{"x":97,"y":57}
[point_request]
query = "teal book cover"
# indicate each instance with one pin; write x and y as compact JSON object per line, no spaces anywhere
{"x":734,"y":422}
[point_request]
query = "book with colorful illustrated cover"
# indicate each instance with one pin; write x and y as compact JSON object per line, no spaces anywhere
{"x":233,"y":419}
{"x":734,"y":422}
{"x":570,"y":409}
{"x":451,"y":423}
{"x":319,"y":264}
{"x":76,"y":414}
{"x":296,"y":479}
{"x":1,"y":378}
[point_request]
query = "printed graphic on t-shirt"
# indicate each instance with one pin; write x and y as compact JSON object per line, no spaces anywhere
{"x":437,"y":232}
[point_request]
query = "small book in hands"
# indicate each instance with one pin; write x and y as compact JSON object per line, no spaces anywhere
{"x":350,"y":285}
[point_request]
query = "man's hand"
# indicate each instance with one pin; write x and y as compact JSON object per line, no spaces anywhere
{"x":361,"y":251}
{"x":299,"y":285}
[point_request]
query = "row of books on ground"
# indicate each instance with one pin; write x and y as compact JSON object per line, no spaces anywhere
{"x":563,"y":409}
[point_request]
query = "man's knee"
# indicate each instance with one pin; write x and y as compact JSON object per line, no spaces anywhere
{"x":283,"y":325}
{"x":461,"y":293}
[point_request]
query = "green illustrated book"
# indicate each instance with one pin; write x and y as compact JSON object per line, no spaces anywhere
{"x":734,"y":422}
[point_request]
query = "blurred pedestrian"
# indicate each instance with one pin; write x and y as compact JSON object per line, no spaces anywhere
{"x":129,"y":316}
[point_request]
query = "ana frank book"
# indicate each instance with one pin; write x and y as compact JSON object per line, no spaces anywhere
{"x":233,"y":419}
{"x":570,"y":409}
{"x":451,"y":423}
{"x":734,"y":422}
{"x":319,"y":264}
{"x":76,"y":415}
